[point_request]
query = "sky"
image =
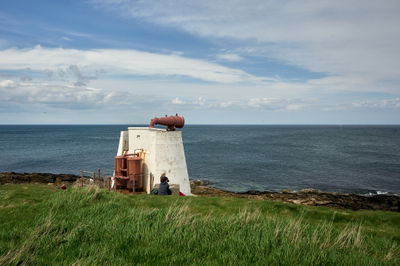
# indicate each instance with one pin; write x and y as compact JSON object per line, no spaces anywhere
{"x":212,"y":61}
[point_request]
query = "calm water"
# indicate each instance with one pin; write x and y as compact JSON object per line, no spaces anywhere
{"x":359,"y":159}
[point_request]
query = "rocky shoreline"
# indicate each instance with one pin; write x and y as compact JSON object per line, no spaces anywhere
{"x":38,"y":178}
{"x":310,"y":197}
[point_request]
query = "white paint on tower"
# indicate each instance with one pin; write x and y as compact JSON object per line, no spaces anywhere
{"x":164,"y":153}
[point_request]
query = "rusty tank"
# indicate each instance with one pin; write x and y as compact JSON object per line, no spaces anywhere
{"x":134,"y":170}
{"x":128,"y":172}
{"x":120,"y":165}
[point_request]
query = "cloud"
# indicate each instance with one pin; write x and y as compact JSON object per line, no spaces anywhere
{"x":6,"y":83}
{"x":54,"y":95}
{"x":353,"y":43}
{"x":295,"y":107}
{"x":276,"y":104}
{"x":393,"y":103}
{"x":270,"y":104}
{"x":226,"y":104}
{"x":177,"y":101}
{"x":200,"y":101}
{"x":352,"y":39}
{"x":264,"y":102}
{"x":230,"y":57}
{"x":119,"y":62}
{"x":65,"y":38}
{"x":195,"y":103}
{"x":81,"y":80}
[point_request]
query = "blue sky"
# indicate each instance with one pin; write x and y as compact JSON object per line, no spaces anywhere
{"x":246,"y":62}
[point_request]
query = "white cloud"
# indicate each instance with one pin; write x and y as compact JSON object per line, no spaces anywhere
{"x":270,"y":104}
{"x":230,"y":57}
{"x":190,"y":103}
{"x":126,"y":62}
{"x":65,"y":96}
{"x":354,"y":39}
{"x":6,"y":83}
{"x":264,"y":102}
{"x":200,"y":101}
{"x":295,"y":107}
{"x":385,"y":103}
{"x":177,"y":101}
{"x":226,"y":104}
{"x":277,"y":104}
{"x":354,"y":43}
{"x":65,"y":38}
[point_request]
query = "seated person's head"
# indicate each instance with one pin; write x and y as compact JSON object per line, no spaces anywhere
{"x":164,"y":178}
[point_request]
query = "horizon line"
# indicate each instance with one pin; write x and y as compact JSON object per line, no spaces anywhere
{"x":211,"y":124}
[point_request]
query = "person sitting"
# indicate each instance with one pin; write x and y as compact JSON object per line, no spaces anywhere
{"x":163,"y":189}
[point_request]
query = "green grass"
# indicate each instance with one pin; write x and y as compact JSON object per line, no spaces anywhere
{"x":42,"y":225}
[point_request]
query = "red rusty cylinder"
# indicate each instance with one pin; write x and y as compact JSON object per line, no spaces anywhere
{"x":133,"y":184}
{"x":120,"y":165}
{"x":120,"y":182}
{"x":172,"y":122}
{"x":134,"y":165}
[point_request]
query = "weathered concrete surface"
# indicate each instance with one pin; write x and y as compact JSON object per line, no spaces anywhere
{"x":310,"y":197}
{"x":164,"y":153}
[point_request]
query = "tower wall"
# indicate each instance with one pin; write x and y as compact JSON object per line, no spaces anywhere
{"x":164,"y":152}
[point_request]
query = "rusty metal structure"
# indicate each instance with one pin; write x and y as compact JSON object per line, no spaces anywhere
{"x":128,"y":172}
{"x":144,"y":153}
{"x":171,"y":122}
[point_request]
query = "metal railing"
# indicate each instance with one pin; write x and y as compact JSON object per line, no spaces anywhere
{"x":102,"y":181}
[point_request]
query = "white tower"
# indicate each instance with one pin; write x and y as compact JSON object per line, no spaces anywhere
{"x":163,"y":153}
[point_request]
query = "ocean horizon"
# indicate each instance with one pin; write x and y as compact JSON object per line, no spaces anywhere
{"x":361,"y":159}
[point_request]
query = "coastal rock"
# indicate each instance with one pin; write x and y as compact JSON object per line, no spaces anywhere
{"x":310,"y":190}
{"x":310,"y":197}
{"x":197,"y":183}
{"x":41,"y":178}
{"x":252,"y":192}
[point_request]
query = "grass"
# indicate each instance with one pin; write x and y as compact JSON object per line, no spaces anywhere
{"x":42,"y":225}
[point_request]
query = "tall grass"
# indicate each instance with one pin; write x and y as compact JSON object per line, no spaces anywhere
{"x":92,"y":226}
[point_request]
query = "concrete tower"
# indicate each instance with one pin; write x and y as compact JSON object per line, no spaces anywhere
{"x":163,"y":153}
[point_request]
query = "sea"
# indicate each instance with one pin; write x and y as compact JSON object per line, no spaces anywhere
{"x":334,"y":158}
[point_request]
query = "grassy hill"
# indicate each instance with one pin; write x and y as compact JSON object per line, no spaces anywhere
{"x":42,"y":225}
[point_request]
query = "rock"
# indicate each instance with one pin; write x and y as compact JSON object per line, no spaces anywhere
{"x":42,"y":178}
{"x":310,"y":190}
{"x":196,"y":183}
{"x":252,"y":192}
{"x":322,"y":202}
{"x":295,"y":201}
